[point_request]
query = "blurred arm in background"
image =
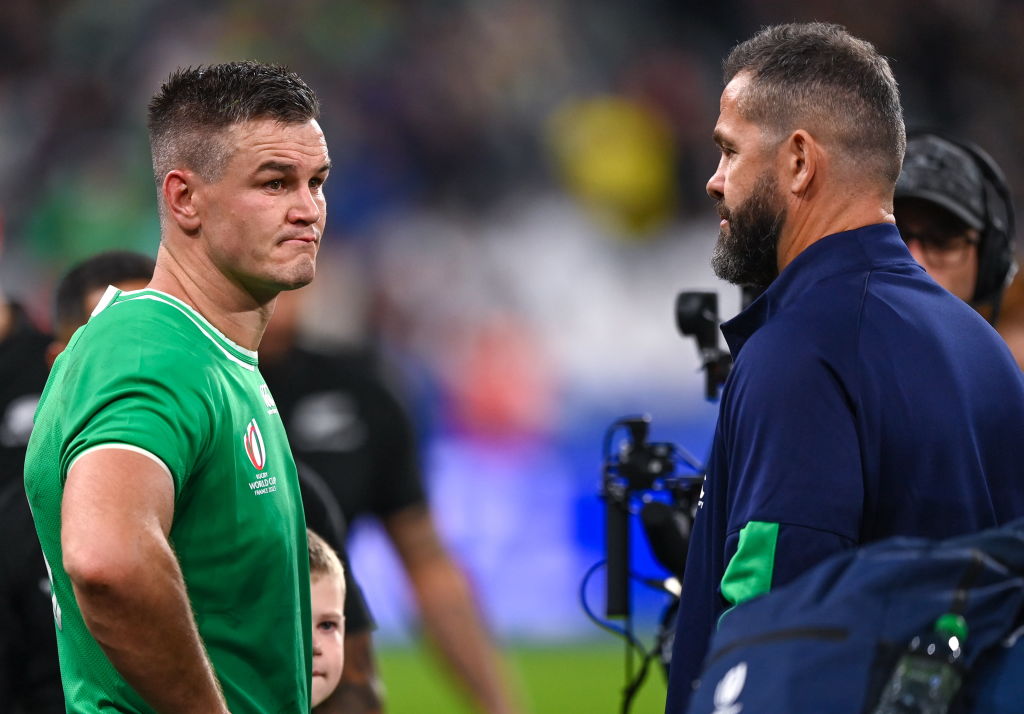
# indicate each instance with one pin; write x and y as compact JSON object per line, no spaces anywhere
{"x":450,"y":614}
{"x":348,"y":428}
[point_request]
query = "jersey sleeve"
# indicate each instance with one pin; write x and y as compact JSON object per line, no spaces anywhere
{"x":129,"y":390}
{"x":795,"y":479}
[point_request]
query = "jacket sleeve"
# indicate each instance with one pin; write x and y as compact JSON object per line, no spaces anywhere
{"x":795,"y":487}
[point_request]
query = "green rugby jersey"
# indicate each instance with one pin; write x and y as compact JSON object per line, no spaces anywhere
{"x":151,"y":374}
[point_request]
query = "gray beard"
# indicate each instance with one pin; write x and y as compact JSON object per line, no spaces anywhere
{"x":747,"y":254}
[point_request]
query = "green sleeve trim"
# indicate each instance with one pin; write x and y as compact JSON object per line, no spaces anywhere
{"x":749,"y":573}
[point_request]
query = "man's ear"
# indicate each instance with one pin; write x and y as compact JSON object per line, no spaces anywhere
{"x":802,"y":156}
{"x":179,"y":198}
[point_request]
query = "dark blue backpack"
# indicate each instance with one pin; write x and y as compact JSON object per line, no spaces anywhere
{"x":827,"y":642}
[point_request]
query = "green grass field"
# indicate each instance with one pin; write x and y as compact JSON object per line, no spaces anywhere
{"x":575,"y":679}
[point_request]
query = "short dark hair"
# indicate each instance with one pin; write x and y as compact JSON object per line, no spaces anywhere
{"x":819,"y":74}
{"x":99,"y":271}
{"x":197,"y":104}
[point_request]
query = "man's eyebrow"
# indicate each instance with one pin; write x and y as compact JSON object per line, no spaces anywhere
{"x":719,"y":138}
{"x":276,"y":166}
{"x":288,"y":168}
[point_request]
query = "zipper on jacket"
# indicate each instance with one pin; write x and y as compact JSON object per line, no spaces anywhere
{"x":831,"y":634}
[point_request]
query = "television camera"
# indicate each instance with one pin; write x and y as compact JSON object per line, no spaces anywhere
{"x":659,"y":483}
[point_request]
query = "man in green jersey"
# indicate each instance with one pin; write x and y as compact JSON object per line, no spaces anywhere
{"x":159,"y":475}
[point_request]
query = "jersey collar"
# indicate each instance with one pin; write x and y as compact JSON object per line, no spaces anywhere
{"x":113,"y":296}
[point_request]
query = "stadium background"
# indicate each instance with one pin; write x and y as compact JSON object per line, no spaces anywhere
{"x":516,"y":200}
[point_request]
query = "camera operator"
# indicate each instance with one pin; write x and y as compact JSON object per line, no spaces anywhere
{"x":865,"y":401}
{"x":955,"y":212}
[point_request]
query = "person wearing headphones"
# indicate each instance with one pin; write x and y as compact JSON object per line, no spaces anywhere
{"x":954,"y":211}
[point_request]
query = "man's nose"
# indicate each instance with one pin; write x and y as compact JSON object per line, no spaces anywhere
{"x":716,"y":184}
{"x":306,"y":209}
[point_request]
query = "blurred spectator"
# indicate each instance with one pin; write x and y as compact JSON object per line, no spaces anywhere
{"x":29,"y":674}
{"x":345,"y":424}
{"x":29,"y":671}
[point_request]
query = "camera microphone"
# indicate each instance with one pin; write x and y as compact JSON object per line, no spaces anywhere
{"x":668,"y":534}
{"x":697,"y":317}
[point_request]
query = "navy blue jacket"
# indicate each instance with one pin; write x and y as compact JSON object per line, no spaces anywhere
{"x":865,"y":401}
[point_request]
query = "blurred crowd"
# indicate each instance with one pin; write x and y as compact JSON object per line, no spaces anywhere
{"x":511,"y":176}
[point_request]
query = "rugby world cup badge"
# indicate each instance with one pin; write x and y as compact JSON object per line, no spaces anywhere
{"x":254,"y":447}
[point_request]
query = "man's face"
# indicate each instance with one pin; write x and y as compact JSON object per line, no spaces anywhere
{"x":327,"y":595}
{"x":262,"y":219}
{"x":943,"y":245}
{"x":747,"y":197}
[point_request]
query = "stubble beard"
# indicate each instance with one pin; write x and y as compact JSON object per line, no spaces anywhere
{"x":747,"y":253}
{"x":297,"y":272}
{"x":300,"y":275}
{"x":271,"y":283}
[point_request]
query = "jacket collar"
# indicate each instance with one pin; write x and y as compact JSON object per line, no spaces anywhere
{"x":859,"y":250}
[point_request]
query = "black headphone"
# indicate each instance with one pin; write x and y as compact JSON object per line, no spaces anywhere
{"x":996,"y":257}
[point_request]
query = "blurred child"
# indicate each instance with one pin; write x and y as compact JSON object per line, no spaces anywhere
{"x":327,"y":593}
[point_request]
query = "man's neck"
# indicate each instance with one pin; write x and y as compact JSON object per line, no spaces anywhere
{"x":225,"y":305}
{"x":808,"y":224}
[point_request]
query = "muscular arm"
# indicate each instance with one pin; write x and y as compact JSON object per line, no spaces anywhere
{"x":115,"y":520}
{"x":358,"y":691}
{"x":450,"y":614}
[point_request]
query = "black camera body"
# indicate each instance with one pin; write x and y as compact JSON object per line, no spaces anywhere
{"x":697,"y":317}
{"x":639,"y":469}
